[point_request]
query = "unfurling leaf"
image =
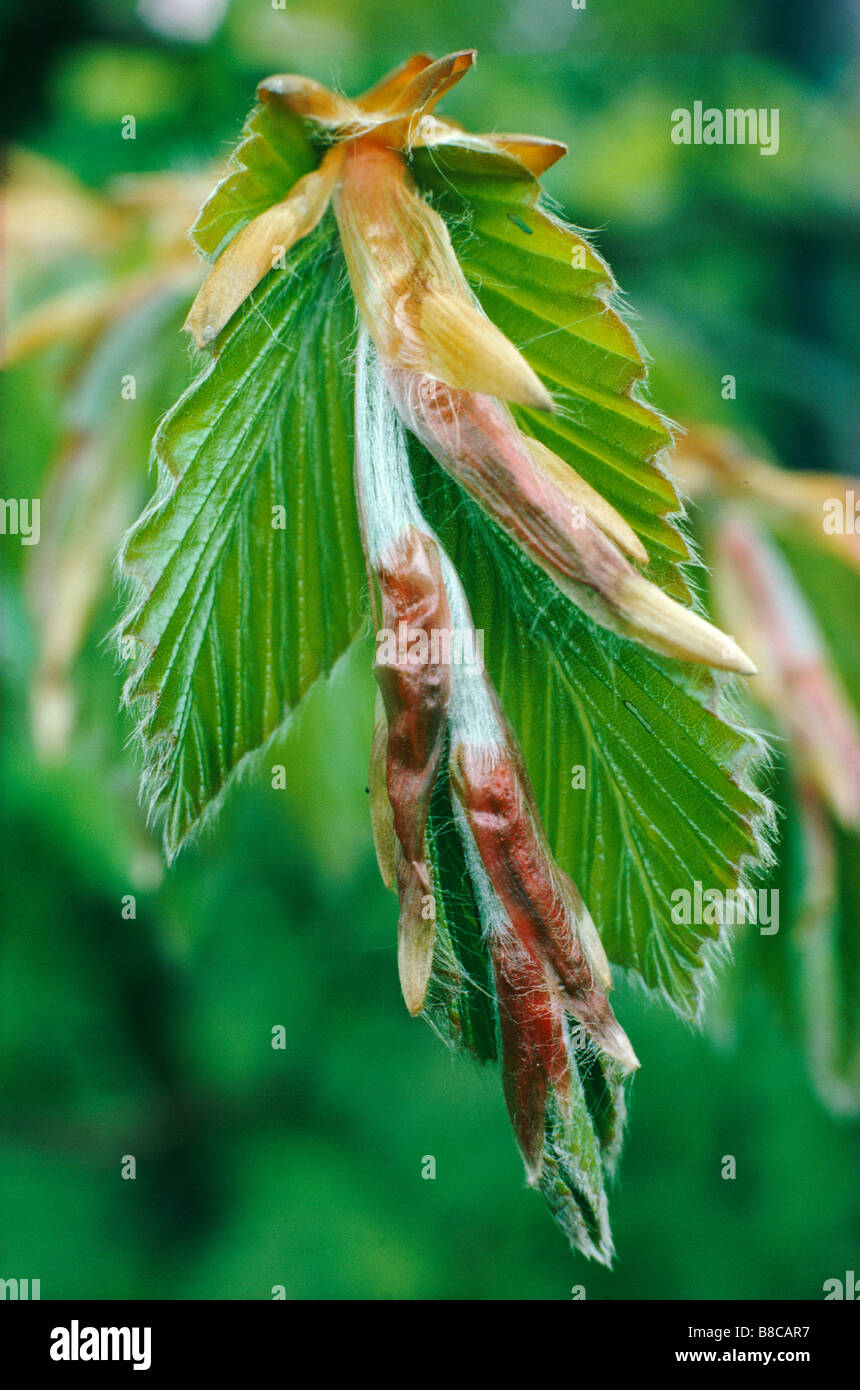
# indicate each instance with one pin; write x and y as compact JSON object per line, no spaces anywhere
{"x":428,"y":315}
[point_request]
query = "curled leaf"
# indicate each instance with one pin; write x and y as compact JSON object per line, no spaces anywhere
{"x":475,"y":439}
{"x":416,"y":934}
{"x":413,"y":677}
{"x":534,"y":1051}
{"x":381,"y":815}
{"x":521,"y":873}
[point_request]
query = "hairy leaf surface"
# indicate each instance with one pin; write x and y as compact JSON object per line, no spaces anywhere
{"x":666,"y":799}
{"x":237,"y":615}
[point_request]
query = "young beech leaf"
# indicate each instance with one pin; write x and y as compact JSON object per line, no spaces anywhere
{"x":272,"y":155}
{"x":667,"y":796}
{"x":246,"y":568}
{"x":541,"y":520}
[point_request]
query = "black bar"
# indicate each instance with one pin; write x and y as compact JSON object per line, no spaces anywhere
{"x":241,"y":1337}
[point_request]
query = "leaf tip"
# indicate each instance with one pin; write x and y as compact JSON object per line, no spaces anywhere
{"x":668,"y":627}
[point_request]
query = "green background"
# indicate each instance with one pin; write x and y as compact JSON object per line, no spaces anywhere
{"x":302,"y":1167}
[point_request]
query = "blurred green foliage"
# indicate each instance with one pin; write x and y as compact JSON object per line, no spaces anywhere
{"x":152,"y":1036}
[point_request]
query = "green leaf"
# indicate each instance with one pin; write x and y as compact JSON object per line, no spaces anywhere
{"x":273,"y":153}
{"x":234,"y":619}
{"x":827,"y":970}
{"x":576,"y":1160}
{"x":667,"y":797}
{"x":580,"y":1146}
{"x":543,"y":284}
{"x":460,"y":1001}
{"x":811,"y":966}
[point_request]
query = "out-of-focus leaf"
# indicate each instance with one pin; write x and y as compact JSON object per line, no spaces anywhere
{"x":92,"y":493}
{"x":793,"y":590}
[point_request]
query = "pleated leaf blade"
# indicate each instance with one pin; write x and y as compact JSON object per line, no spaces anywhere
{"x":246,"y":568}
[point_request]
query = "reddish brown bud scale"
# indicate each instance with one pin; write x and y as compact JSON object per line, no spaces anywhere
{"x":415,"y":691}
{"x":528,"y":887}
{"x":489,"y":790}
{"x":478,"y":444}
{"x":534,"y":1050}
{"x":475,"y":439}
